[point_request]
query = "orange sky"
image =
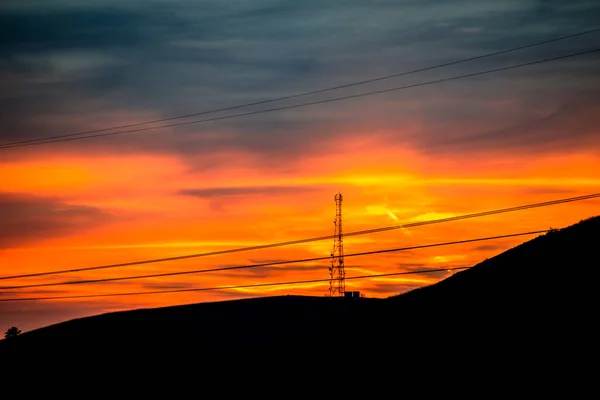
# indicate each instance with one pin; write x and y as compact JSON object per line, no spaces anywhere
{"x":459,"y":146}
{"x":149,"y":218}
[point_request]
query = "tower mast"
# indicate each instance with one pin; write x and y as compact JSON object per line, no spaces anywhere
{"x":337,"y":273}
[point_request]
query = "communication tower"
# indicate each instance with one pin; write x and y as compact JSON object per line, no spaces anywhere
{"x":337,"y":274}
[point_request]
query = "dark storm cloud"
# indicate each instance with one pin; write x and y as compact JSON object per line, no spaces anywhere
{"x":25,"y":219}
{"x":71,"y":66}
{"x":570,"y":125}
{"x":32,"y":31}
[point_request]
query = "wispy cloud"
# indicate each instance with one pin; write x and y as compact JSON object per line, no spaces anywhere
{"x":486,"y":142}
{"x":245,"y":191}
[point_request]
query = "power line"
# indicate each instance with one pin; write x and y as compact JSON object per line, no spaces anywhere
{"x":163,"y":274}
{"x":334,"y":99}
{"x":425,"y":271}
{"x":313,"y":239}
{"x":302,"y":104}
{"x":287,"y":97}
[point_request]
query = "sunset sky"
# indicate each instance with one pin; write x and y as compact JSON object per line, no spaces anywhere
{"x":516,"y":137}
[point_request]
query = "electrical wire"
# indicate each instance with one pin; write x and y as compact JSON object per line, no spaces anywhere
{"x":232,"y":286}
{"x":331,"y":100}
{"x":312,"y":259}
{"x":303,"y":94}
{"x":313,"y":239}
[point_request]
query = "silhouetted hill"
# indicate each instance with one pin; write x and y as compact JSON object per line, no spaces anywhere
{"x":532,"y":298}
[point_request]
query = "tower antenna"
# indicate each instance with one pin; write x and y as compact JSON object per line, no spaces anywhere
{"x":337,"y":273}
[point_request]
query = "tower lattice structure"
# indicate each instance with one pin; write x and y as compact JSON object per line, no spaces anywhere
{"x":337,"y":273}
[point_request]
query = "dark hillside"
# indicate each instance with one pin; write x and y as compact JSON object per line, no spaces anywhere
{"x":526,"y":297}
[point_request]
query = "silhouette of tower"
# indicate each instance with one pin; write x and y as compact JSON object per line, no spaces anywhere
{"x":337,"y":274}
